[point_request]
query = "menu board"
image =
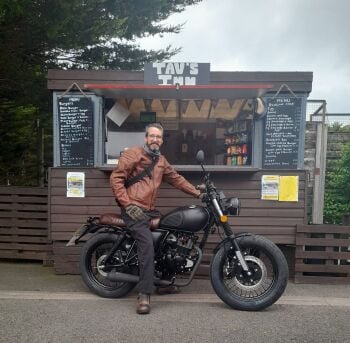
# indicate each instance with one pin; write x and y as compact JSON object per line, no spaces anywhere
{"x":76,"y":131}
{"x":281,"y":133}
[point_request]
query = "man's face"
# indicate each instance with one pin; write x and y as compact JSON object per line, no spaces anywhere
{"x":154,"y":139}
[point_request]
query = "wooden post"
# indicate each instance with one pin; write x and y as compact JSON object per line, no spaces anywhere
{"x":320,"y":173}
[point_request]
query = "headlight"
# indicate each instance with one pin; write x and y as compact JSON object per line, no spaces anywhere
{"x":231,"y":206}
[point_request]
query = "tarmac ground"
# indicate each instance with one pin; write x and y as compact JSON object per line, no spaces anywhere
{"x":38,"y":280}
{"x":38,"y":306}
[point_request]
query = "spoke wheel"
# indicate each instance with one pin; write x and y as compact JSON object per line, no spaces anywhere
{"x":261,"y":286}
{"x":94,"y":270}
{"x":248,"y":286}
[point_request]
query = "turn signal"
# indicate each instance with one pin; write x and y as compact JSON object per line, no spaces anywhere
{"x":223,"y":219}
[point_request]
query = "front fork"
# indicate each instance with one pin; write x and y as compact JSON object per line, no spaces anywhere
{"x":237,"y":249}
{"x":229,"y":233}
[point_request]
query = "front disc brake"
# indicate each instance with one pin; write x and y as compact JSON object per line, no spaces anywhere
{"x":250,"y":282}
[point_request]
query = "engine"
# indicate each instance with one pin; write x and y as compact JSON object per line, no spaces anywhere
{"x":178,"y":254}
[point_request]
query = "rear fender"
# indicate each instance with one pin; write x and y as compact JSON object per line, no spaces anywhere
{"x":228,"y":240}
{"x":92,"y":226}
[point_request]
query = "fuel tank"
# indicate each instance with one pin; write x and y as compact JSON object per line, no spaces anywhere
{"x":187,"y":218}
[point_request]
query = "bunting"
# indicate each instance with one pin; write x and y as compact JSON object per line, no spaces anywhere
{"x":231,"y":103}
{"x":128,"y":102}
{"x":214,"y":102}
{"x":199,"y":104}
{"x":165,"y":104}
{"x":148,"y":104}
{"x":184,"y":106}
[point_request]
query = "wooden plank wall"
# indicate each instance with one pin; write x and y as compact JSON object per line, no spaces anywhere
{"x":273,"y":219}
{"x":24,"y":224}
{"x":322,"y":254}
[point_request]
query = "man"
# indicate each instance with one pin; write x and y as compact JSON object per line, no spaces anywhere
{"x":137,"y":201}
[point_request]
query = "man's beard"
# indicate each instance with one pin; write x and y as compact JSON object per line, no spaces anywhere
{"x":156,"y":149}
{"x":152,"y":152}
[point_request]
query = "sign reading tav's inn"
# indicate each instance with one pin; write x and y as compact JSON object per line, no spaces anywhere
{"x":181,"y":73}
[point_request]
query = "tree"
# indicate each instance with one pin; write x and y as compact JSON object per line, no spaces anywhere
{"x":339,"y":127}
{"x":337,"y":197}
{"x":36,"y":35}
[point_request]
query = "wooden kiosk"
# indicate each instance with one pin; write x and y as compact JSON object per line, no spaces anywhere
{"x":251,"y":126}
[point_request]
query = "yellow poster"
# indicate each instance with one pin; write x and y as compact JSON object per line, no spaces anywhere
{"x":288,"y":188}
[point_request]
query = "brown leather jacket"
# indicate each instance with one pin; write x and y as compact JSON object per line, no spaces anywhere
{"x":144,"y":193}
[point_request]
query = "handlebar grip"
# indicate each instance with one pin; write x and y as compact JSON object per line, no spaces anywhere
{"x":201,"y":187}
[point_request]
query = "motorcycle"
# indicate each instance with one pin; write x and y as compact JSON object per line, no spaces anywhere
{"x":248,"y":272}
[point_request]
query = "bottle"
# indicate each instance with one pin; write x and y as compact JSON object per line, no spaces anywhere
{"x":234,"y":160}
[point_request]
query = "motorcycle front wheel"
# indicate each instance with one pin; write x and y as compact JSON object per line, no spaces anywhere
{"x":94,"y":272}
{"x":268,"y":274}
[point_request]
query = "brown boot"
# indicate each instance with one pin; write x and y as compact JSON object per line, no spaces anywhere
{"x":143,"y":305}
{"x":168,"y":290}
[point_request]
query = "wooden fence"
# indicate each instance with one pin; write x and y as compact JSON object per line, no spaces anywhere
{"x":322,"y":254}
{"x":272,"y":219}
{"x":24,"y":224}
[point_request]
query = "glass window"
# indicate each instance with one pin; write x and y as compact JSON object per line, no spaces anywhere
{"x":222,"y":128}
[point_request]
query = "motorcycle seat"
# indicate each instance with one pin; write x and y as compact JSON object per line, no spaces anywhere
{"x":116,"y":220}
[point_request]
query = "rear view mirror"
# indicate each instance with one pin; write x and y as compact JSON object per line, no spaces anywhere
{"x":200,"y":156}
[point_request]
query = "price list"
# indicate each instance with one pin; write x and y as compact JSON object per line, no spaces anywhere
{"x":281,"y":133}
{"x":76,"y":131}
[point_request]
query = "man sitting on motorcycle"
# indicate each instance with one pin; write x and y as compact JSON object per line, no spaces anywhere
{"x":137,"y":202}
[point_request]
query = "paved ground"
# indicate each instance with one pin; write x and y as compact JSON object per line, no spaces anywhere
{"x":34,"y":277}
{"x":38,"y":306}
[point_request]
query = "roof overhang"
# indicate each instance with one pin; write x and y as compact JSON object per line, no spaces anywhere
{"x":133,"y":91}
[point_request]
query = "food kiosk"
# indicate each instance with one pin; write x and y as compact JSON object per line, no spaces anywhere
{"x":250,"y":125}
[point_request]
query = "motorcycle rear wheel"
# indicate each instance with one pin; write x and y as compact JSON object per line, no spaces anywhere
{"x":91,"y":267}
{"x":255,"y":292}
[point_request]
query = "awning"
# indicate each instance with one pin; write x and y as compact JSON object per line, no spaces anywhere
{"x":133,"y":91}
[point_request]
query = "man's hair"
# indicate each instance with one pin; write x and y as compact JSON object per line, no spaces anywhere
{"x":156,"y":125}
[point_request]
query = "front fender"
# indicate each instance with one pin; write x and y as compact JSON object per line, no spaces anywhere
{"x":228,"y":240}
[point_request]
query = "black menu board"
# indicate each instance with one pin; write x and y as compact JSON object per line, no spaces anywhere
{"x":281,"y":133}
{"x":76,"y":131}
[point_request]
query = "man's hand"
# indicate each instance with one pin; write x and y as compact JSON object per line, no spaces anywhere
{"x":201,"y":188}
{"x":135,"y":212}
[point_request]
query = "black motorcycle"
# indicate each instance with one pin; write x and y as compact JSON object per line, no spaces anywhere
{"x":248,"y":272}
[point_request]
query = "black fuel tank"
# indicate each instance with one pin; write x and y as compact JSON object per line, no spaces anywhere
{"x":187,"y":218}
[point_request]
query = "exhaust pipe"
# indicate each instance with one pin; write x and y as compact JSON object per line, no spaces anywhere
{"x":122,"y":277}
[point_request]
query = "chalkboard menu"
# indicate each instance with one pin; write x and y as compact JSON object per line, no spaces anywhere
{"x":281,"y":133}
{"x":76,"y":131}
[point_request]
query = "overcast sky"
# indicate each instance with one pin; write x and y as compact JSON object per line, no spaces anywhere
{"x":270,"y":35}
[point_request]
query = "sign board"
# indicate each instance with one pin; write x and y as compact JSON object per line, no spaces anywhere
{"x":172,"y":73}
{"x":76,"y":131}
{"x":282,"y":133}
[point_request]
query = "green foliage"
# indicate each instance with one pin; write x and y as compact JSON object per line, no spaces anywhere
{"x":37,"y":35}
{"x":337,"y":197}
{"x":339,"y":127}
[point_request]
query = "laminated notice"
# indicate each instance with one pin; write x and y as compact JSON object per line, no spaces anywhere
{"x":269,"y":187}
{"x":75,"y":185}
